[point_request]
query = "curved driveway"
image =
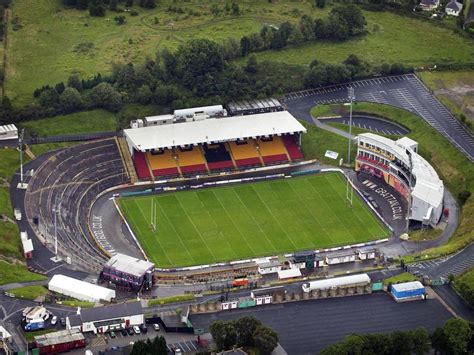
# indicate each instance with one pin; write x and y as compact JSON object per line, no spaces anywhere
{"x":403,"y":91}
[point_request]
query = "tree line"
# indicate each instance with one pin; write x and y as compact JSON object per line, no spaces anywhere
{"x":246,"y":332}
{"x":455,"y":337}
{"x":157,"y":346}
{"x":99,"y":7}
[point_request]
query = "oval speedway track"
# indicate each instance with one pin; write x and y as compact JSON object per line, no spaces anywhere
{"x":72,"y":178}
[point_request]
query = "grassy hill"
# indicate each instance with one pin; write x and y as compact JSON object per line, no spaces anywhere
{"x":68,"y":40}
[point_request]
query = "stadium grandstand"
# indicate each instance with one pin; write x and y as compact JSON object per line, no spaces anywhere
{"x":203,"y":144}
{"x":252,"y":107}
{"x":399,"y":165}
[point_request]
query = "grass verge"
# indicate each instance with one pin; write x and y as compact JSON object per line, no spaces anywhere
{"x":171,"y":299}
{"x":17,"y":273}
{"x":29,"y":292}
{"x":464,"y":284}
{"x":427,"y":234}
{"x":403,"y":277}
{"x":74,"y":123}
{"x":77,"y":303}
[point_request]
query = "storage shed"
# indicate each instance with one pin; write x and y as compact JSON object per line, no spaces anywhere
{"x":289,"y":274}
{"x":408,"y":290}
{"x":81,"y":290}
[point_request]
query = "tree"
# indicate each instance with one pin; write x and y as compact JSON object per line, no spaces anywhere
{"x":147,"y":4}
{"x":306,"y":27}
{"x":74,"y":81}
{"x":320,"y":3}
{"x":351,"y":15}
{"x":401,"y":343}
{"x":245,"y":328}
{"x":420,"y":341}
{"x":439,"y":341}
{"x":244,"y":46}
{"x":104,"y":95}
{"x":458,"y":334}
{"x":251,"y":66}
{"x":463,"y":196}
{"x":113,"y":5}
{"x":198,"y":63}
{"x":296,"y":36}
{"x":160,"y":347}
{"x":265,"y":339}
{"x":59,"y":87}
{"x":49,"y":98}
{"x":96,"y":8}
{"x":230,"y":48}
{"x":169,"y":63}
{"x":71,"y":100}
{"x":223,"y":334}
{"x":235,"y":9}
{"x":144,"y":95}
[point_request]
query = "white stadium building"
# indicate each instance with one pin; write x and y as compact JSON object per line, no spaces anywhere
{"x":400,"y":165}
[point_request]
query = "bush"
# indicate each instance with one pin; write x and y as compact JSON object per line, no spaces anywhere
{"x":463,"y":196}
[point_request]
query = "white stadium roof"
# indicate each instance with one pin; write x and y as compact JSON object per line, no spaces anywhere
{"x":81,"y":290}
{"x":429,"y":187}
{"x":213,"y":130}
{"x":8,"y":128}
{"x":129,"y":264}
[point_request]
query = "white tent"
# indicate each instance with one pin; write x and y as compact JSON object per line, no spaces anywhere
{"x":81,"y":290}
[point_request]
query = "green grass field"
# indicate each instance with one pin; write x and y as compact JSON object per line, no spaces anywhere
{"x":68,"y":40}
{"x":249,"y":220}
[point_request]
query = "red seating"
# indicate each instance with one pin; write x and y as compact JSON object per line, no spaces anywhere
{"x":248,"y":162}
{"x":165,"y":172}
{"x":192,"y":169}
{"x":220,"y":165}
{"x":275,"y":158}
{"x":141,"y":166}
{"x":292,"y":148}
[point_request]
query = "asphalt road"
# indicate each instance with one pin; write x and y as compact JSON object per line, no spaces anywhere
{"x":309,"y":326}
{"x":454,"y":264}
{"x":455,"y":301}
{"x":373,"y":124}
{"x":403,"y":91}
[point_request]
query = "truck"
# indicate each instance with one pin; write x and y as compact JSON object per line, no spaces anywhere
{"x":17,"y":214}
{"x":34,"y":324}
{"x":37,"y":312}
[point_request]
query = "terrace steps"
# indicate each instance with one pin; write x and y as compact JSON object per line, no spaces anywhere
{"x":127,"y":159}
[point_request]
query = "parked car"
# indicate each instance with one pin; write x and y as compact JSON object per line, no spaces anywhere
{"x":178,"y":351}
{"x":136,"y":329}
{"x":62,"y":321}
{"x":54,"y":320}
{"x":130,"y":331}
{"x":143,"y":329}
{"x":46,"y":316}
{"x":124,"y":332}
{"x":156,"y":327}
{"x":112,"y":334}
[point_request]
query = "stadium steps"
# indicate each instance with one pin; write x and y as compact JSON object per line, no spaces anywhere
{"x":127,"y":159}
{"x":175,"y":155}
{"x":150,"y":170}
{"x":204,"y":158}
{"x":257,"y":148}
{"x":231,"y":155}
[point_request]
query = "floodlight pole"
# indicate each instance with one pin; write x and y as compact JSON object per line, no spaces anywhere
{"x":20,"y":143}
{"x":56,"y":210}
{"x":351,"y":99}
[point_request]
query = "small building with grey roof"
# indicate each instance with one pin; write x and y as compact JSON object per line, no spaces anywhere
{"x":107,"y":318}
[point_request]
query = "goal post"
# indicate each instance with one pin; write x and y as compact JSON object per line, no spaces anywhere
{"x":349,"y":192}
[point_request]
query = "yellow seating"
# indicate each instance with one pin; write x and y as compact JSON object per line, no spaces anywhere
{"x":190,"y":157}
{"x":274,"y":147}
{"x":244,"y":151}
{"x":161,"y":161}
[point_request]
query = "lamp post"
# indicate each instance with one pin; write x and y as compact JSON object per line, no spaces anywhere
{"x":56,"y":210}
{"x":351,"y":97}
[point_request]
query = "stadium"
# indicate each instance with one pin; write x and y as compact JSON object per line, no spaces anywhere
{"x":197,"y":188}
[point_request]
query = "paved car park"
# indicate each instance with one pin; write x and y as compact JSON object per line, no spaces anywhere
{"x":309,"y":326}
{"x":403,"y":91}
{"x":370,"y":123}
